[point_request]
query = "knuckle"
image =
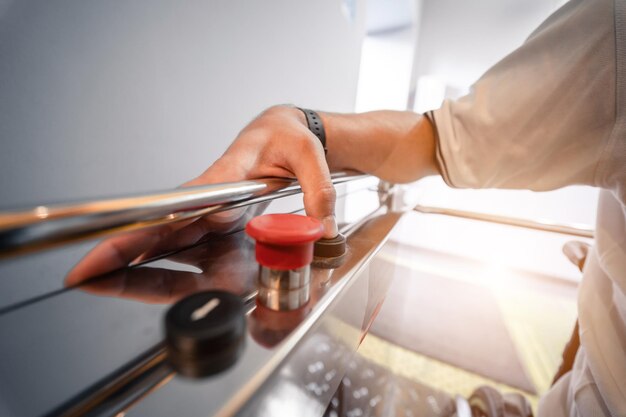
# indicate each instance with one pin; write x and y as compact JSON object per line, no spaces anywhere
{"x":305,"y":142}
{"x":327,"y":193}
{"x":278,"y":109}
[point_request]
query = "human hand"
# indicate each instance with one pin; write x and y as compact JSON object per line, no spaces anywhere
{"x":225,"y":263}
{"x":277,"y":143}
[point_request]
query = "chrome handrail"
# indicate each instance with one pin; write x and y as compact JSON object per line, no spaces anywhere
{"x":571,"y":229}
{"x":45,"y":226}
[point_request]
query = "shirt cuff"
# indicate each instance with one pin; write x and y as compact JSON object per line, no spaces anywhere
{"x":443,"y":168}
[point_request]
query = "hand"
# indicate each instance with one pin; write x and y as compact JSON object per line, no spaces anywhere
{"x":277,"y":143}
{"x":226,"y":263}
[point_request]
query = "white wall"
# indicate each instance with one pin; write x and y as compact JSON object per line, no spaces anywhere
{"x":459,"y":40}
{"x":110,"y":97}
{"x":106,"y":97}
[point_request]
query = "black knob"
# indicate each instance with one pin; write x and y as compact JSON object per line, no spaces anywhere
{"x":205,"y":333}
{"x":330,"y":253}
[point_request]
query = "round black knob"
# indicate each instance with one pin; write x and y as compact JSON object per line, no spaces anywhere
{"x":205,"y":333}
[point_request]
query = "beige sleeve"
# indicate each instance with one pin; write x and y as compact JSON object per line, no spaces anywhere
{"x":542,"y":117}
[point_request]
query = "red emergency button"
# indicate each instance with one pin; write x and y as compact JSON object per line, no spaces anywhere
{"x":284,"y":241}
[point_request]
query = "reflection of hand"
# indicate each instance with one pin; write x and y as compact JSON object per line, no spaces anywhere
{"x":269,"y":327}
{"x":278,"y":143}
{"x":226,"y":263}
{"x":120,"y":251}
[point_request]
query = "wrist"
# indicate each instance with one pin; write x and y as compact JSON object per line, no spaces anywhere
{"x":334,"y":125}
{"x":286,"y":110}
{"x":315,"y":126}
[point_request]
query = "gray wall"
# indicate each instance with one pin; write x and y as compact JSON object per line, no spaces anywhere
{"x":111,"y":97}
{"x":459,"y":40}
{"x":108,"y":97}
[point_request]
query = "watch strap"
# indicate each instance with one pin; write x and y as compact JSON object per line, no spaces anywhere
{"x":314,"y":122}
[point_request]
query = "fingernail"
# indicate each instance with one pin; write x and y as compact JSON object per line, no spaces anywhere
{"x":330,"y":227}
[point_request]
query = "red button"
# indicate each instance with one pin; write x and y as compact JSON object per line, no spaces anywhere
{"x":284,"y":241}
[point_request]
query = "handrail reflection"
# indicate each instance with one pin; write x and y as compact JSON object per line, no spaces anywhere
{"x":579,"y":230}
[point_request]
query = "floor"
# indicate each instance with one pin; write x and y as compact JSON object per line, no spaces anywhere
{"x":538,"y":313}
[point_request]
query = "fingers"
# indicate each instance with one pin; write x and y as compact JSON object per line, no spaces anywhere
{"x":278,"y":143}
{"x":149,"y":285}
{"x":109,"y":255}
{"x":158,"y":285}
{"x":118,"y":252}
{"x":309,"y":166}
{"x":195,"y":230}
{"x":222,"y":222}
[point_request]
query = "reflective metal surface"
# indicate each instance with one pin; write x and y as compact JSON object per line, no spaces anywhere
{"x":284,"y":290}
{"x":290,"y":279}
{"x":567,"y":229}
{"x":97,"y":348}
{"x":369,"y":389}
{"x":48,"y":225}
{"x":284,"y":378}
{"x":27,"y":278}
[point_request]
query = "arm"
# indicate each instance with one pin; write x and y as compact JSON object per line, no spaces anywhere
{"x":544,"y":116}
{"x":540,"y":119}
{"x":396,"y":146}
{"x":392,"y":145}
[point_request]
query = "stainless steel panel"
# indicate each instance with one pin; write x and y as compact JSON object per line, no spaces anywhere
{"x":80,"y":349}
{"x":26,"y":278}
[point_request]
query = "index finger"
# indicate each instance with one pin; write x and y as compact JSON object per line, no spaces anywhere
{"x":310,"y":168}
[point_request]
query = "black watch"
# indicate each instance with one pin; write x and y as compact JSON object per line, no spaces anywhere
{"x":314,"y":121}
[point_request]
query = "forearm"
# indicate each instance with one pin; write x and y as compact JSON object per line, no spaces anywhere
{"x":392,"y":145}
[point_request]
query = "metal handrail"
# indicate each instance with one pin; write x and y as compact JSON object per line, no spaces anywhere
{"x":544,"y":225}
{"x":46,"y":226}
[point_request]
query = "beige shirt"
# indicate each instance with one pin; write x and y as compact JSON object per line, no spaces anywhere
{"x":551,"y":114}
